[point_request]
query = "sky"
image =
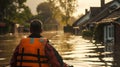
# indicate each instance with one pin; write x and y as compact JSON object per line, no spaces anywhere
{"x":82,"y":5}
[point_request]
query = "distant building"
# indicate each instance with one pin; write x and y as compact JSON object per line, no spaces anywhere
{"x":78,"y":25}
{"x":7,"y":27}
{"x":51,"y":24}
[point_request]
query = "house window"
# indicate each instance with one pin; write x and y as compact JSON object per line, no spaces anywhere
{"x":113,"y":7}
{"x":110,"y":32}
{"x":109,"y":38}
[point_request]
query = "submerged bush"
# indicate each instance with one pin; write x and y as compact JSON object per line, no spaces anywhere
{"x":87,"y":33}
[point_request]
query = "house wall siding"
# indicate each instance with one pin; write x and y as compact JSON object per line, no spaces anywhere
{"x":117,"y":46}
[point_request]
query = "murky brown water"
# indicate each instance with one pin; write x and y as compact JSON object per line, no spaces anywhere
{"x":79,"y":52}
{"x":75,"y":51}
{"x":6,"y":49}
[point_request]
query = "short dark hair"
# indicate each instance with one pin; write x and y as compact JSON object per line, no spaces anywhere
{"x":36,"y":26}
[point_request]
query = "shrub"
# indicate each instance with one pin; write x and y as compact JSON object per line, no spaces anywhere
{"x":87,"y":33}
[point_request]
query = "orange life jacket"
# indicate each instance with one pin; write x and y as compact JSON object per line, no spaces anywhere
{"x":32,"y":53}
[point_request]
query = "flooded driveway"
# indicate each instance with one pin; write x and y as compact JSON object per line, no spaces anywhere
{"x":75,"y":51}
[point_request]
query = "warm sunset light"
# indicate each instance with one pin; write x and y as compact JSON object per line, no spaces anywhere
{"x":59,"y":33}
{"x":82,"y":5}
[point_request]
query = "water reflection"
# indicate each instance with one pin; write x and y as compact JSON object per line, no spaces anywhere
{"x":74,"y":49}
{"x":6,"y":49}
{"x":81,"y":53}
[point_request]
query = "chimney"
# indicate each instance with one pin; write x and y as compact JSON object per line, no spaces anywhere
{"x":102,"y":3}
{"x":86,"y":11}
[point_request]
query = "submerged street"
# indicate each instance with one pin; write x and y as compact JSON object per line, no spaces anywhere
{"x":79,"y":52}
{"x":75,"y":50}
{"x":85,"y":33}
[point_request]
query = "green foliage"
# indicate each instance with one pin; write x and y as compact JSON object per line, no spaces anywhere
{"x":5,"y":6}
{"x":26,"y":25}
{"x":14,"y":11}
{"x":68,"y":6}
{"x":20,"y":2}
{"x":87,"y":33}
{"x":48,"y":10}
{"x":56,"y":9}
{"x":44,"y":11}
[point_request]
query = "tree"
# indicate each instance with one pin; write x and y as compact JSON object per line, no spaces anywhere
{"x":61,"y":10}
{"x":4,"y":4}
{"x":48,"y":10}
{"x":68,"y":7}
{"x":23,"y":16}
{"x":54,"y":8}
{"x":11,"y":12}
{"x":44,"y":11}
{"x":9,"y":9}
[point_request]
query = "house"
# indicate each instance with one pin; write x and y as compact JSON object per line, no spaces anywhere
{"x":2,"y":27}
{"x":108,"y":26}
{"x":106,"y":19}
{"x":7,"y":27}
{"x":105,"y":11}
{"x":109,"y":30}
{"x":51,"y":24}
{"x":110,"y":13}
{"x":96,"y":14}
{"x":77,"y":25}
{"x":81,"y":22}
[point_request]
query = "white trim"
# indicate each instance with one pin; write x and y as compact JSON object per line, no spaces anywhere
{"x":110,"y":32}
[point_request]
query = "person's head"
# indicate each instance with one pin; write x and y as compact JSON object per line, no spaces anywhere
{"x":36,"y":26}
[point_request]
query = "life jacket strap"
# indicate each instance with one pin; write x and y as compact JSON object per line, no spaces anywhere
{"x":23,"y":66}
{"x":33,"y":61}
{"x":22,"y":56}
{"x":33,"y":55}
{"x":38,"y":52}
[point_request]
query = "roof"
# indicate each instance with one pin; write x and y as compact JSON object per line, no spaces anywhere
{"x":94,"y":11}
{"x":108,"y":20}
{"x":114,"y":16}
{"x":80,"y":20}
{"x":103,"y":14}
{"x":98,"y":13}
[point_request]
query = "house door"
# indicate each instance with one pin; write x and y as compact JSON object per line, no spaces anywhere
{"x":109,"y":37}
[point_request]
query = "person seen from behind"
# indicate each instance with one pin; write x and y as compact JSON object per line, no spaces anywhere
{"x":36,"y":50}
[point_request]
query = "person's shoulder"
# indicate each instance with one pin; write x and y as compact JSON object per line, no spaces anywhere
{"x":24,"y":39}
{"x":43,"y":38}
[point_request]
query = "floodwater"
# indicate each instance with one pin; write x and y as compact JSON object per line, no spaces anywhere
{"x":79,"y":52}
{"x":75,"y":51}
